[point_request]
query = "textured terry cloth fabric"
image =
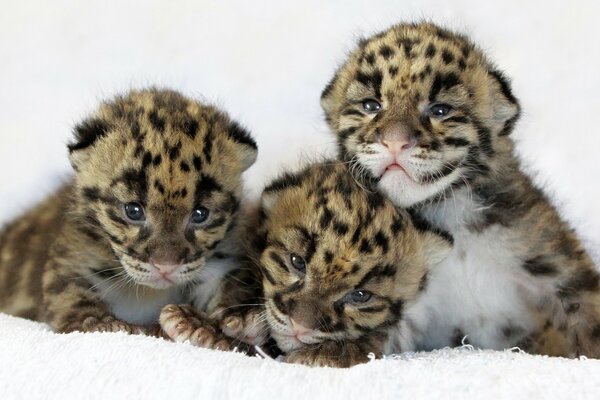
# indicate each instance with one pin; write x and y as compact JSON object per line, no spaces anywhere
{"x":36,"y":363}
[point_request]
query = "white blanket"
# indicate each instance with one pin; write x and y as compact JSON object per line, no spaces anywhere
{"x":36,"y":363}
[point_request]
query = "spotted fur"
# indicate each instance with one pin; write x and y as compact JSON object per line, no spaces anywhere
{"x":365,"y":262}
{"x":518,"y":275}
{"x":80,"y":262}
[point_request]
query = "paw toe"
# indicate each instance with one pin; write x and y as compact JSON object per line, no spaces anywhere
{"x":202,"y":337}
{"x":232,"y":326}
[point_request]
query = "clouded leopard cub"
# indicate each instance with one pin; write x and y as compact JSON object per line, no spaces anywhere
{"x":149,"y":217}
{"x":339,"y":266}
{"x":426,"y":116}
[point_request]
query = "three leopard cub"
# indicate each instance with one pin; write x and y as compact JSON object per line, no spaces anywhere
{"x":422,"y":115}
{"x":437,"y":239}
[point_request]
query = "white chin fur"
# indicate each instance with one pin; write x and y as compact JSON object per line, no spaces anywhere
{"x":396,"y":184}
{"x":287,"y":343}
{"x":405,"y":192}
{"x":159,"y":283}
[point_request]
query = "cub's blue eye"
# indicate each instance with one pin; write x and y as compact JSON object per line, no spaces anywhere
{"x":135,"y":212}
{"x":439,"y":110}
{"x":199,"y":215}
{"x":298,"y":262}
{"x":371,"y":106}
{"x":358,"y":296}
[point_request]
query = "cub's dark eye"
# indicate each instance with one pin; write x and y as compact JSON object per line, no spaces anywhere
{"x":298,"y":262}
{"x":199,"y":215}
{"x":135,"y":212}
{"x":439,"y":110}
{"x":371,"y":106}
{"x":358,"y":297}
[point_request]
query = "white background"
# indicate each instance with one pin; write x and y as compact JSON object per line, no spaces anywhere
{"x":266,"y":62}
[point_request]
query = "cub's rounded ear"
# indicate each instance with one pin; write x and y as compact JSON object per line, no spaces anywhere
{"x":245,"y":144}
{"x":268,"y":200}
{"x":505,"y":106}
{"x":436,"y":247}
{"x":333,"y":95}
{"x":272,"y":191}
{"x":86,"y":134}
{"x":327,"y":97}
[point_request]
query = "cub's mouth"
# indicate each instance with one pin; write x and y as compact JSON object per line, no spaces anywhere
{"x":398,"y":171}
{"x":394,"y":167}
{"x":160,"y":275}
{"x":288,"y":335}
{"x":290,"y":342}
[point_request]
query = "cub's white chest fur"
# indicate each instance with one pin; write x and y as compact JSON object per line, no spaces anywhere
{"x":142,"y":305}
{"x":476,"y":292}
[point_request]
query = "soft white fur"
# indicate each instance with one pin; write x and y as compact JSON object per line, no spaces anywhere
{"x":141,"y":304}
{"x":479,"y":288}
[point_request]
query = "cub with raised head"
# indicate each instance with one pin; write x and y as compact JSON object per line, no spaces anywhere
{"x":421,"y":111}
{"x":148,"y":219}
{"x":339,"y":266}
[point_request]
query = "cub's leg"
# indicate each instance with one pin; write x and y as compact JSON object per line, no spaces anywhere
{"x":248,"y":326}
{"x":184,"y":323}
{"x":70,"y":304}
{"x":234,"y":317}
{"x":240,"y":308}
{"x":569,"y":297}
{"x":579,"y":296}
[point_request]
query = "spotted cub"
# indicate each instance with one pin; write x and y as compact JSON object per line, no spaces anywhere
{"x":339,"y":265}
{"x":421,"y":111}
{"x":148,"y":219}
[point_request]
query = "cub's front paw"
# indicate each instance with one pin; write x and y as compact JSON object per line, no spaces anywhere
{"x":310,"y":358}
{"x":249,"y":327}
{"x":183,"y":323}
{"x":325,"y":356}
{"x":109,"y":324}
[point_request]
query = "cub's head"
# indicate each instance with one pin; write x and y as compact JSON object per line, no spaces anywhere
{"x":158,"y":178}
{"x":338,"y":262}
{"x":420,"y":109}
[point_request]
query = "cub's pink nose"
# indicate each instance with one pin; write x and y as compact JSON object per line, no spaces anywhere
{"x":397,"y":139}
{"x":299,"y":329}
{"x":165,"y":267}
